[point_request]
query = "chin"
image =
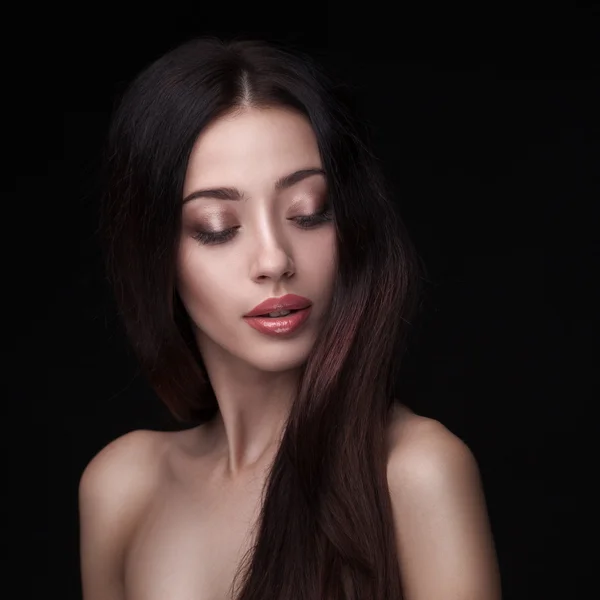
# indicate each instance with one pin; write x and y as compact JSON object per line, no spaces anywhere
{"x":258,"y":352}
{"x":279,"y":362}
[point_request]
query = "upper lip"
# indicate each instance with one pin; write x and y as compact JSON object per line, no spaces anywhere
{"x":287,"y":302}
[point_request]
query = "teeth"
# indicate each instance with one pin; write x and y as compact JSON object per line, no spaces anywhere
{"x":280,"y":313}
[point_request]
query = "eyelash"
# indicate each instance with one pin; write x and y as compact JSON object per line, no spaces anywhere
{"x":305,"y":222}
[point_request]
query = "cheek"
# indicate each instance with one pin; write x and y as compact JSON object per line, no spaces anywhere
{"x":202,"y":285}
{"x":327,"y":248}
{"x":320,"y":256}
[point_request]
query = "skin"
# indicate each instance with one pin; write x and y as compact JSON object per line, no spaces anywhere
{"x":253,"y":375}
{"x":170,"y":514}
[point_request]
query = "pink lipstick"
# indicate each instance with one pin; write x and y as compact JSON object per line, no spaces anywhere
{"x":297,"y":309}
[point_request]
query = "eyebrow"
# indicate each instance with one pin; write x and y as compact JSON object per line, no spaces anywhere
{"x":231,"y":193}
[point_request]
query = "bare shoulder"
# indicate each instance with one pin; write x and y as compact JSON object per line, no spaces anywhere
{"x":424,"y":449}
{"x":443,"y":534}
{"x":114,"y":489}
{"x":123,"y":466}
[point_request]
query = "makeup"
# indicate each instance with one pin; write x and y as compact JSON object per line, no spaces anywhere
{"x":280,"y":326}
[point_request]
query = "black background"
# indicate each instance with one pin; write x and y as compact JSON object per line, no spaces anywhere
{"x":485,"y":125}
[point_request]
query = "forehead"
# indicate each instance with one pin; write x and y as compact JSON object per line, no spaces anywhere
{"x":266,"y":142}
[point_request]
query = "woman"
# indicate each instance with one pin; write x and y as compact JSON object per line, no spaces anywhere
{"x":266,"y":283}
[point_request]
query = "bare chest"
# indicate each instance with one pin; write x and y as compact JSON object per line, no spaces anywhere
{"x":189,"y":544}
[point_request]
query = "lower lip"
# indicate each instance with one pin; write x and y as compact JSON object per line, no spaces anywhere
{"x":279,"y":326}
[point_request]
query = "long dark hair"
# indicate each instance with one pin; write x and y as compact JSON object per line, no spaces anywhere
{"x":326,"y":529}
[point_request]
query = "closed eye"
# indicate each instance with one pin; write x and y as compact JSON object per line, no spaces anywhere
{"x":304,"y":222}
{"x":311,"y":220}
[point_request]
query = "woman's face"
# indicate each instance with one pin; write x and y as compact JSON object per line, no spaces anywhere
{"x":243,"y":238}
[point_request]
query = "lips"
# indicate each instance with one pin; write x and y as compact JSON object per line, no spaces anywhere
{"x":280,"y":327}
{"x":290,"y":310}
{"x":291,"y":302}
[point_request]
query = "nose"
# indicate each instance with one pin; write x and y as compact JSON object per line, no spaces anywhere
{"x":272,"y":261}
